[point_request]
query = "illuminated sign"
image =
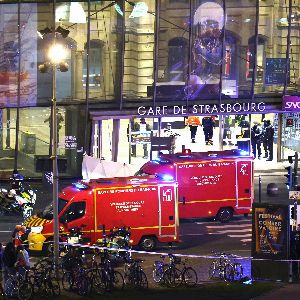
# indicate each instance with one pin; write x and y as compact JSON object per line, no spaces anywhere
{"x":276,"y":71}
{"x":291,"y":103}
{"x":68,"y":142}
{"x":207,"y":109}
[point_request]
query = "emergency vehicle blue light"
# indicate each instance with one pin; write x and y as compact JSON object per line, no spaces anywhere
{"x":161,"y":160}
{"x":244,"y":153}
{"x":80,"y":185}
{"x":167,"y":177}
{"x":248,"y":281}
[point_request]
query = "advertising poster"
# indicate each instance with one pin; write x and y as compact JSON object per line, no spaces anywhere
{"x":11,"y":52}
{"x":270,"y":231}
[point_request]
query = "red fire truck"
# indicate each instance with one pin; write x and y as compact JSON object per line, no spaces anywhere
{"x":214,"y":183}
{"x":145,"y":204}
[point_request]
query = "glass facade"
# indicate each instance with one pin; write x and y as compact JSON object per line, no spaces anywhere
{"x":170,"y":52}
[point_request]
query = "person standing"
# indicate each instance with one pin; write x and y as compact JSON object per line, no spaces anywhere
{"x":193,"y":122}
{"x":264,"y":138}
{"x":168,"y":132}
{"x":18,"y":235}
{"x":22,"y":261}
{"x":269,"y":139}
{"x":142,"y":127}
{"x":208,"y":128}
{"x":9,"y":259}
{"x":256,"y":135}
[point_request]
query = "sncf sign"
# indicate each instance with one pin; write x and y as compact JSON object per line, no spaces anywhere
{"x":291,"y":103}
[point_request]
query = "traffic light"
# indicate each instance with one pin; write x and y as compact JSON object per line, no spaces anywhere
{"x":292,"y":216}
{"x":289,"y":177}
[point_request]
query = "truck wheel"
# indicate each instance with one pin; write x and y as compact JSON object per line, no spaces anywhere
{"x":225,"y":214}
{"x":48,"y":247}
{"x":148,"y":243}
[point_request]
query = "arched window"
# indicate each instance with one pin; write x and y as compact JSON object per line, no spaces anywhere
{"x":260,"y":58}
{"x":177,"y":59}
{"x":95,"y":67}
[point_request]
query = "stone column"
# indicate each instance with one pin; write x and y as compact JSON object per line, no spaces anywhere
{"x":79,"y":89}
{"x":115,"y":139}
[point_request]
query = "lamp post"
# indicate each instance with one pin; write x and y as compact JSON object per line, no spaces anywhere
{"x":57,"y":53}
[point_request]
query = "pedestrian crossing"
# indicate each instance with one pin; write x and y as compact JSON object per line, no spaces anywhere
{"x":237,"y":230}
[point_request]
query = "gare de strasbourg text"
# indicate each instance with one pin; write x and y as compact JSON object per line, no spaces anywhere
{"x":201,"y":109}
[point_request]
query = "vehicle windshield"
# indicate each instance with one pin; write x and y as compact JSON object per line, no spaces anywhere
{"x":48,"y":211}
{"x":141,"y":173}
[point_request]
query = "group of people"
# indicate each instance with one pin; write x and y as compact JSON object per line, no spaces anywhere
{"x":262,"y":135}
{"x":208,"y":124}
{"x":14,"y":256}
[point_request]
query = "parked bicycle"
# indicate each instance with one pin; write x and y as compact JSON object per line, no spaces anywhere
{"x":174,"y":276}
{"x":225,"y":268}
{"x":111,"y":278}
{"x":18,"y":285}
{"x":44,"y":281}
{"x":134,"y":274}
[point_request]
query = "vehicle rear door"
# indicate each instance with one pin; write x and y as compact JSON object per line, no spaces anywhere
{"x":168,"y":212}
{"x":244,"y":183}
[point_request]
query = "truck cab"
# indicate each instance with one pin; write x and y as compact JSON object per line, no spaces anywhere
{"x":145,"y":204}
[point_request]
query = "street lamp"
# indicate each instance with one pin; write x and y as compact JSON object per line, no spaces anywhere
{"x":57,"y":53}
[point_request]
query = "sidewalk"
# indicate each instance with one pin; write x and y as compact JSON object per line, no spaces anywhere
{"x":289,"y":291}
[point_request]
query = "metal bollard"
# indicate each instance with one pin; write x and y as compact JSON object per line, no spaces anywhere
{"x":290,"y":271}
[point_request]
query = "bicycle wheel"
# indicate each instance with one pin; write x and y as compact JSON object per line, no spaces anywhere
{"x":189,"y":277}
{"x":117,"y":280}
{"x":229,"y":273}
{"x":142,"y":281}
{"x":11,"y":288}
{"x":55,"y":287}
{"x":157,"y":274}
{"x":98,"y":285}
{"x":2,"y":294}
{"x":172,"y":277}
{"x":238,"y":271}
{"x":25,"y":291}
{"x":67,"y":281}
{"x":83,"y":286}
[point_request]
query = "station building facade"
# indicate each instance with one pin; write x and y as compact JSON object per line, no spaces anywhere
{"x":160,"y":60}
